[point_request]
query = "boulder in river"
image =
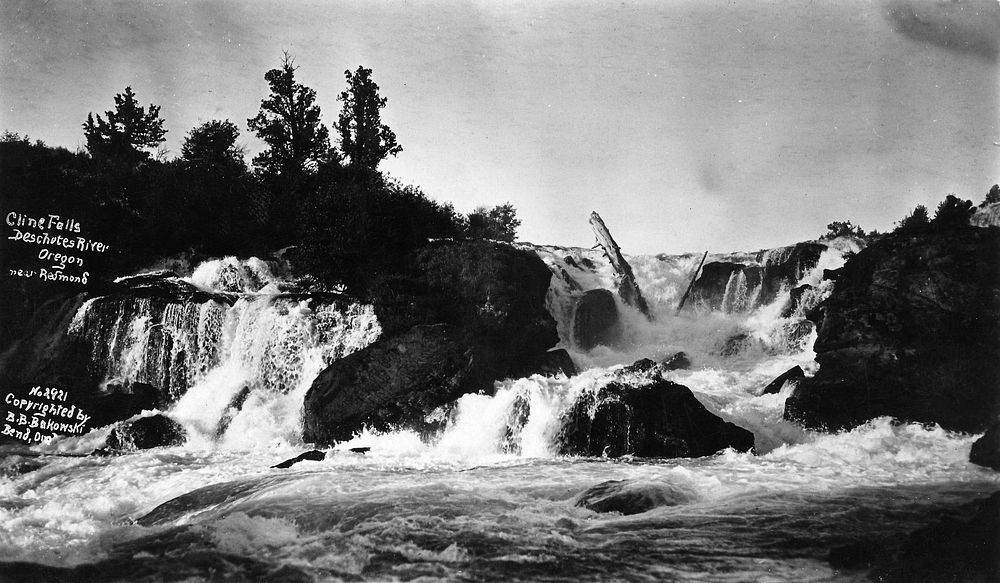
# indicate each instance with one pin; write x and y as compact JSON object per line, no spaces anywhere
{"x":910,"y":331}
{"x":470,"y":313}
{"x":793,"y":374}
{"x":146,"y":433}
{"x":629,"y":497}
{"x":986,"y":450}
{"x":596,"y":320}
{"x":646,"y":417}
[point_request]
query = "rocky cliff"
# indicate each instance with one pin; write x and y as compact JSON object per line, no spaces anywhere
{"x":912,"y":331}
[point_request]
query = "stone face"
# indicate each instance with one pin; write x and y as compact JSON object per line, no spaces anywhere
{"x":737,"y":287}
{"x":910,"y":331}
{"x":986,"y":450}
{"x":469,"y":313}
{"x":394,"y":381}
{"x":653,"y":418}
{"x":596,"y":320}
{"x":146,"y":433}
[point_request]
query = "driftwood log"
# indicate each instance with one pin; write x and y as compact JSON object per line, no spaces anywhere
{"x":628,"y":289}
{"x":694,"y":278}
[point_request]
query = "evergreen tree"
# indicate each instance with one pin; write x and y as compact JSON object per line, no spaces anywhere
{"x":128,"y":132}
{"x":364,"y":139}
{"x":992,"y":196}
{"x":499,"y":223}
{"x":212,"y":146}
{"x":915,"y":220}
{"x":298,"y":145}
{"x":289,"y":123}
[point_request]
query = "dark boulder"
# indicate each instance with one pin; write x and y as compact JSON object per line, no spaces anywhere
{"x":146,"y":433}
{"x":394,"y":381}
{"x":649,"y":417}
{"x":595,"y":320}
{"x":122,"y":402}
{"x":795,"y":299}
{"x":628,"y":497}
{"x":678,"y":361}
{"x":986,"y":450}
{"x":468,"y":314}
{"x":910,"y":331}
{"x":557,"y":361}
{"x":737,"y":344}
{"x":791,"y":374}
{"x":314,"y":455}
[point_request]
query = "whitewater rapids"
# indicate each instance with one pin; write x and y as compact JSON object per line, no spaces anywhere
{"x":482,"y":501}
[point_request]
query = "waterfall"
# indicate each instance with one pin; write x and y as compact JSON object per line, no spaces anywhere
{"x":200,"y":355}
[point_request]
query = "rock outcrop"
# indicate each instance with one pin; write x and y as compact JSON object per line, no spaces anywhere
{"x":738,"y":287}
{"x":986,"y":450}
{"x":469,"y":313}
{"x":793,"y":374}
{"x":910,"y":331}
{"x":645,"y":415}
{"x":146,"y":433}
{"x":628,"y":497}
{"x":595,"y":320}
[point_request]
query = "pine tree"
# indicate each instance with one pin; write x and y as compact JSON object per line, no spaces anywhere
{"x":364,"y":139}
{"x":289,"y":123}
{"x":128,"y":132}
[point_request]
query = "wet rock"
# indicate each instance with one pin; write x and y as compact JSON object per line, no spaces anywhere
{"x":595,"y":320}
{"x":643,"y":365}
{"x":736,"y":287}
{"x":627,"y":497}
{"x":314,"y":455}
{"x":679,"y":361}
{"x":910,"y":331}
{"x":557,"y":361}
{"x":123,"y":402}
{"x":649,"y":417}
{"x":795,"y":299}
{"x":791,"y":374}
{"x":986,"y":450}
{"x":468,"y":314}
{"x":736,"y":344}
{"x":12,"y":466}
{"x":146,"y":433}
{"x":395,"y":381}
{"x":950,"y":550}
{"x":833,"y":274}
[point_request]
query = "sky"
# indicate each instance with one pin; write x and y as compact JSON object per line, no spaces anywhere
{"x":689,"y":126}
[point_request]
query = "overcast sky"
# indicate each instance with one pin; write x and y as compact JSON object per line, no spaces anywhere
{"x":687,"y":125}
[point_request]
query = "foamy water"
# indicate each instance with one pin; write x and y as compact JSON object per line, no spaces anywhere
{"x":488,"y":498}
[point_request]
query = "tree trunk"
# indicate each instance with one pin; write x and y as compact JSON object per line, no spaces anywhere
{"x":628,"y":289}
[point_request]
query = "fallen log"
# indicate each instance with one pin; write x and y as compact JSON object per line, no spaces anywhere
{"x":628,"y":289}
{"x":694,"y":277}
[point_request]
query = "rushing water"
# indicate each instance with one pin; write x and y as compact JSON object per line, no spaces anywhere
{"x":488,"y":499}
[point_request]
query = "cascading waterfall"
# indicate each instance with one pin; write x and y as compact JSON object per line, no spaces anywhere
{"x":202,"y":354}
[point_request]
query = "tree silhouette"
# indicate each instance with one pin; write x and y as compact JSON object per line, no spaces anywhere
{"x":289,"y":123}
{"x":499,"y":223}
{"x":127,"y":133}
{"x":364,"y":139}
{"x":212,"y":145}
